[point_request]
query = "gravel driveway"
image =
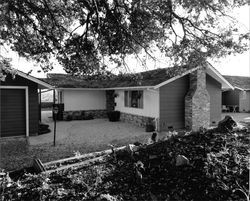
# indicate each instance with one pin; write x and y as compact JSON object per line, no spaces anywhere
{"x":71,"y":136}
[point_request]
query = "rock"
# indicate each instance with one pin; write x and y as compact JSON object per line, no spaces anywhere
{"x":181,"y":160}
{"x":106,"y":197}
{"x":226,"y":125}
{"x":139,"y":165}
{"x":138,"y":176}
{"x":240,"y":128}
{"x":137,"y":144}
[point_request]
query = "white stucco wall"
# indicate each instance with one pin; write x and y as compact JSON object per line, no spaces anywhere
{"x":150,"y":104}
{"x":244,"y":103}
{"x":84,"y":100}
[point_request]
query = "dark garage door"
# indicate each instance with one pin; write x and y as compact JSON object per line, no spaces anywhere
{"x":13,"y":112}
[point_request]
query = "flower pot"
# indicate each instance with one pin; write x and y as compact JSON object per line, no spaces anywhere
{"x":114,"y":116}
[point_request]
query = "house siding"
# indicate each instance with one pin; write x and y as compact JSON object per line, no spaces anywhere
{"x":33,"y":100}
{"x":214,"y":90}
{"x":80,"y":100}
{"x":172,"y":103}
{"x":244,"y":103}
{"x":150,"y":104}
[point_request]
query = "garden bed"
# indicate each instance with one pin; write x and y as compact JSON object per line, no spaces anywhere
{"x":218,"y":169}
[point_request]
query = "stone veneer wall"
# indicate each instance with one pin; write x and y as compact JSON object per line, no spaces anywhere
{"x":96,"y":113}
{"x":197,"y":102}
{"x":136,"y":119}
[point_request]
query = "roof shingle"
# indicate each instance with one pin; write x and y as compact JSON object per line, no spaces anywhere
{"x":239,"y":81}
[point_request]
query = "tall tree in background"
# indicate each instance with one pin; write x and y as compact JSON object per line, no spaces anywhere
{"x":80,"y":33}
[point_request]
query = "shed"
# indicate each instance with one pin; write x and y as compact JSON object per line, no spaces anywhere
{"x":19,"y":105}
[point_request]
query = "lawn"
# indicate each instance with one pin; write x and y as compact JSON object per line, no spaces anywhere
{"x":218,"y":169}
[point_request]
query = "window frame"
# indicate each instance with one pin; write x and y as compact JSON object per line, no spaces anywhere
{"x":130,"y":96}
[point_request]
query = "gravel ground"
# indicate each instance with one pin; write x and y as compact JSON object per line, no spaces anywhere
{"x":83,"y":136}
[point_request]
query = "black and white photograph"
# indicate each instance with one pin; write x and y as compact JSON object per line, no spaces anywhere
{"x":125,"y":100}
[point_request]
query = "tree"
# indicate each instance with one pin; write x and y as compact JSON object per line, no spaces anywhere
{"x":5,"y":68}
{"x":81,"y":33}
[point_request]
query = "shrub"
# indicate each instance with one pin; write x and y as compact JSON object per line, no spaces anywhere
{"x":88,"y":116}
{"x":69,"y":118}
{"x":46,"y":104}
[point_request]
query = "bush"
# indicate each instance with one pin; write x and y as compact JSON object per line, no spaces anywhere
{"x":88,"y":117}
{"x":114,"y":116}
{"x":69,"y":118}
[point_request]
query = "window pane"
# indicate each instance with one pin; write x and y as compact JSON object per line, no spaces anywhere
{"x":126,"y":98}
{"x":134,"y":99}
{"x":140,"y":99}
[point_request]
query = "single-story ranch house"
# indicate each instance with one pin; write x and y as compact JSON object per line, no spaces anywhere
{"x":239,"y":98}
{"x":19,"y":105}
{"x":177,"y":97}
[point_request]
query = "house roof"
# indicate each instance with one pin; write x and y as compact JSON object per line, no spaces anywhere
{"x":143,"y":79}
{"x":240,"y":82}
{"x":152,"y":78}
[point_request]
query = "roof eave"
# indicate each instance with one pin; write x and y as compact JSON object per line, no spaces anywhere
{"x":41,"y":84}
{"x":222,"y":80}
{"x":175,"y":78}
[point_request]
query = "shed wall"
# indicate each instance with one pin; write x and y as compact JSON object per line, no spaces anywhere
{"x":33,"y":100}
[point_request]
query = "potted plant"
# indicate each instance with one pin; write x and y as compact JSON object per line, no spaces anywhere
{"x":114,"y":116}
{"x":150,"y":127}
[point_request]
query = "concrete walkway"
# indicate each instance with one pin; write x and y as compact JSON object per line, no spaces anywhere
{"x":94,"y":131}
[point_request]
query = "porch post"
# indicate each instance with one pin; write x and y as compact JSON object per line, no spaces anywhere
{"x":40,"y":105}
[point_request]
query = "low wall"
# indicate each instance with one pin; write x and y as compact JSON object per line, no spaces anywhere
{"x":97,"y":114}
{"x":136,"y":119}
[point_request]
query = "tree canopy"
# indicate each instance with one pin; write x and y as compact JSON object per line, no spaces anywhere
{"x":81,"y":33}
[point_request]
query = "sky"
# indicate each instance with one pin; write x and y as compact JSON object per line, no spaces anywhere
{"x":231,"y":65}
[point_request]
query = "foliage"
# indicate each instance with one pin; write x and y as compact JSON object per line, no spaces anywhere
{"x":218,"y":170}
{"x":82,"y":34}
{"x":5,"y":68}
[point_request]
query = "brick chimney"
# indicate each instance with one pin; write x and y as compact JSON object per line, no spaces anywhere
{"x":197,"y":102}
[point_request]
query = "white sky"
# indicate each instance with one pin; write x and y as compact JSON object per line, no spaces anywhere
{"x":231,"y":65}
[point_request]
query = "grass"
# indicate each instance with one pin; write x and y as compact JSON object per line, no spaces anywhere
{"x":19,"y":154}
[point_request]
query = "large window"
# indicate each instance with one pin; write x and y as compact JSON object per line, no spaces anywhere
{"x":133,"y":99}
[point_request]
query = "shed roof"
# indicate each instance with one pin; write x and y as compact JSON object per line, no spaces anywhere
{"x":41,"y":83}
{"x":240,"y":82}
